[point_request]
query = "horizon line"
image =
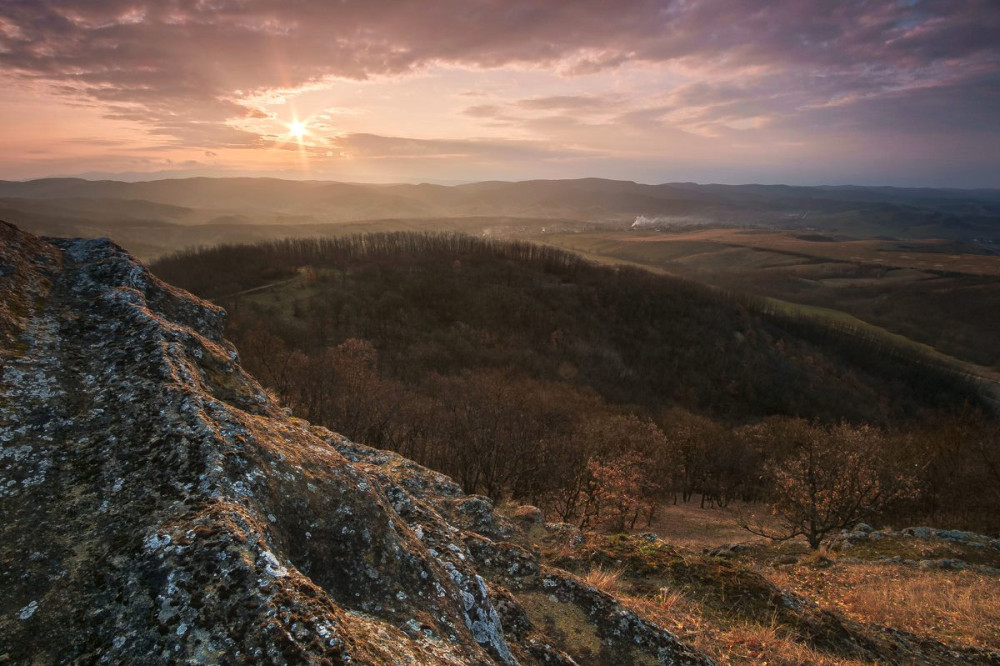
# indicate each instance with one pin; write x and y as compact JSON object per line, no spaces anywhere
{"x":163,"y":176}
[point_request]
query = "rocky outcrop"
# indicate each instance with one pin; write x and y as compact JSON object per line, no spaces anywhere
{"x":924,"y":547}
{"x":159,"y":507}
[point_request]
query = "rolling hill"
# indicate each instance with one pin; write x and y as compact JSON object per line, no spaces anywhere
{"x":857,"y":212}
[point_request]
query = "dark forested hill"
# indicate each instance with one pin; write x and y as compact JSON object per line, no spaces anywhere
{"x":516,"y":368}
{"x":446,"y":304}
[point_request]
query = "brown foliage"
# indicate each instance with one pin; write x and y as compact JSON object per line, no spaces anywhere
{"x":528,"y":373}
{"x":835,"y":478}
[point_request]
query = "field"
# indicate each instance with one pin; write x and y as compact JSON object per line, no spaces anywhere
{"x":930,"y":255}
{"x":918,"y":290}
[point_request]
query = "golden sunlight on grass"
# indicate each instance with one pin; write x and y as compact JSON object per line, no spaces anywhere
{"x":753,"y":643}
{"x":959,"y":607}
{"x":742,"y":643}
{"x":963,"y":606}
{"x":606,"y":580}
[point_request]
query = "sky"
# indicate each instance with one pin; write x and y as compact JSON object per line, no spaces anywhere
{"x":869,"y":92}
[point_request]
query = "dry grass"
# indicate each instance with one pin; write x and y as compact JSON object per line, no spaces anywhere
{"x":761,"y":644}
{"x":672,"y":610}
{"x":954,"y":607}
{"x":958,"y":608}
{"x":962,"y":607}
{"x":606,"y":580}
{"x":690,"y":526}
{"x":874,"y":252}
{"x":743,"y":643}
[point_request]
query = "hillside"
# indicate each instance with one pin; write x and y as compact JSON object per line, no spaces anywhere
{"x":158,"y":506}
{"x":934,"y":292}
{"x":161,"y":507}
{"x":914,"y":266}
{"x":447,"y":303}
{"x":516,"y":368}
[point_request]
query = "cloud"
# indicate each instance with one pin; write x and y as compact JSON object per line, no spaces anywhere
{"x":570,"y":103}
{"x":185,"y":70}
{"x":373,"y":146}
{"x":482,"y":111}
{"x":969,"y":104}
{"x":98,"y":141}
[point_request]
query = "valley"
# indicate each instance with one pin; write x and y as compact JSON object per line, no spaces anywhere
{"x":631,"y":399}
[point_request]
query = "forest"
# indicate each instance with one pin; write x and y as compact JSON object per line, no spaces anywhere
{"x":597,"y":393}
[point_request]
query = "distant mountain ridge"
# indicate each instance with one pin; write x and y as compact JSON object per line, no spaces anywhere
{"x":72,"y":206}
{"x":279,"y":194}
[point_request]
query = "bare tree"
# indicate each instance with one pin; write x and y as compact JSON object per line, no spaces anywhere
{"x":833,"y":480}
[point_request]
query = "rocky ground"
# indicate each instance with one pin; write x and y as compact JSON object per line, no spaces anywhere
{"x":160,"y":507}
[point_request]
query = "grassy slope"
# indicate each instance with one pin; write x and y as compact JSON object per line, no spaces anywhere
{"x":699,"y":259}
{"x":781,"y":604}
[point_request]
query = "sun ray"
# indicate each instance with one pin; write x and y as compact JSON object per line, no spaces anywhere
{"x":298,"y":131}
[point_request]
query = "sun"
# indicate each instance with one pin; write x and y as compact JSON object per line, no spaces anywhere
{"x":297,"y":129}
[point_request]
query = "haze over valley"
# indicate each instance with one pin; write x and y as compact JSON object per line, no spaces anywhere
{"x":157,"y":217}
